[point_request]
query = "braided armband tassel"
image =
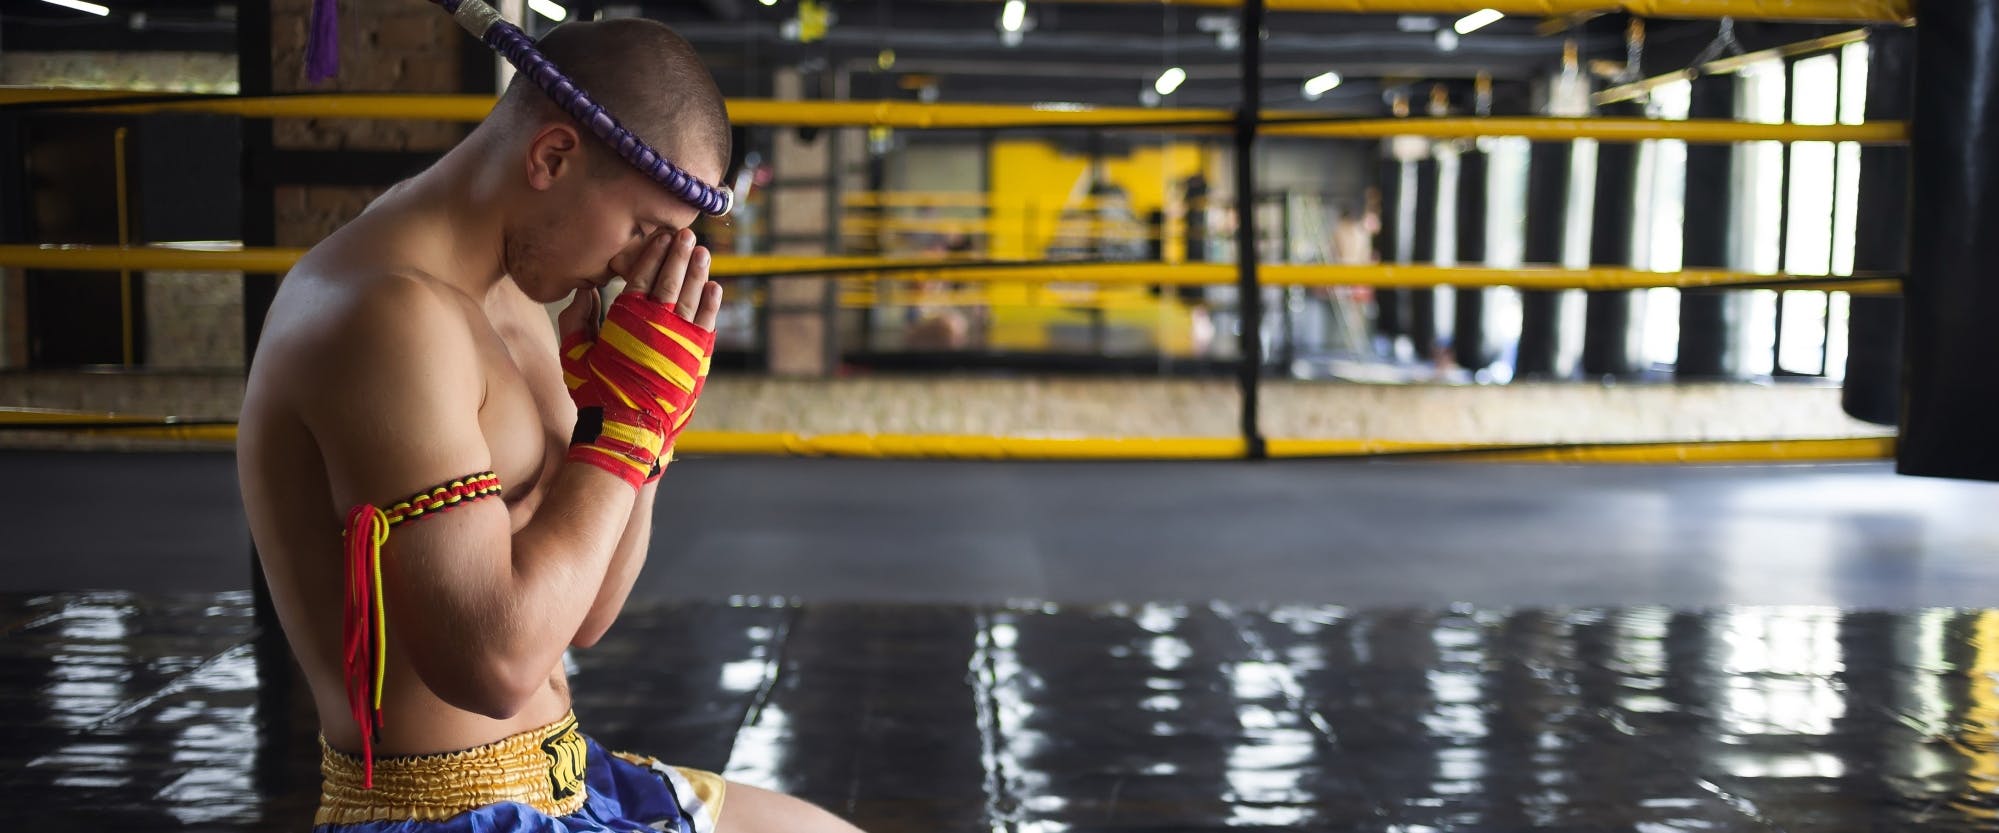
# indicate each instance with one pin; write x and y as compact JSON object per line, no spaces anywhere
{"x":364,"y":629}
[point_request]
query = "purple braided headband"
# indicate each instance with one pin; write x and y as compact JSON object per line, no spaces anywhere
{"x":486,"y":24}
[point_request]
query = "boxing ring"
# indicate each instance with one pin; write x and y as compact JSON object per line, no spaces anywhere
{"x":953,"y":632}
{"x":1248,"y":276}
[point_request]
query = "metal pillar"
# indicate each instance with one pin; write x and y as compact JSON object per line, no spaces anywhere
{"x":1548,"y":171}
{"x":1423,"y":302}
{"x":1249,"y":291}
{"x":1881,"y":244}
{"x":1611,"y":337}
{"x":1469,"y":345}
{"x":259,"y":194}
{"x":1710,"y":321}
{"x":1391,"y":305}
{"x":1950,"y":396}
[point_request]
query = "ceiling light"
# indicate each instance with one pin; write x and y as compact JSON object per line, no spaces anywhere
{"x":81,"y":6}
{"x":1319,"y":85}
{"x":1477,"y":20}
{"x":1169,"y":80}
{"x":1013,"y":15}
{"x":549,"y":9}
{"x":768,"y":2}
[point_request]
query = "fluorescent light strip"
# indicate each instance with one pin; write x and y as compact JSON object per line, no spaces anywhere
{"x":1014,"y":15}
{"x":1169,"y":81}
{"x":79,"y":5}
{"x":1319,"y":85}
{"x":1477,"y":20}
{"x":549,"y":9}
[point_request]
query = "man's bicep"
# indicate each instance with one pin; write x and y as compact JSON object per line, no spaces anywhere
{"x":394,"y":404}
{"x":395,"y":412}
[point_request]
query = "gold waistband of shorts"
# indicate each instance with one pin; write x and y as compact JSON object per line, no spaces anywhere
{"x":542,"y":768}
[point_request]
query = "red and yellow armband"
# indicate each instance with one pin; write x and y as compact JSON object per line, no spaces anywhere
{"x":635,"y":386}
{"x":365,"y":626}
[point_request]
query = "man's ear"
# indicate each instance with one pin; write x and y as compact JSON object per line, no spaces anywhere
{"x":555,"y":151}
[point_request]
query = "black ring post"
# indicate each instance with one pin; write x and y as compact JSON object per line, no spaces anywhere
{"x":1610,"y":345}
{"x":1710,"y":322}
{"x":1950,"y":397}
{"x":1391,"y":308}
{"x":1539,"y":355}
{"x":1873,"y":389}
{"x":1423,"y":334}
{"x":259,"y":195}
{"x":1468,"y":339}
{"x":279,"y":700}
{"x":1249,"y":292}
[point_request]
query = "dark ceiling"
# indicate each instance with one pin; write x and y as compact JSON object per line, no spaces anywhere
{"x":1106,"y":54}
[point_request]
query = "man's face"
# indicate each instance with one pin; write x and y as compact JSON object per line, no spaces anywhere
{"x":581,"y":223}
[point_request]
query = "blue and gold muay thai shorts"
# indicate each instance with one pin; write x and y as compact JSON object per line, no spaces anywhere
{"x":548,"y":780}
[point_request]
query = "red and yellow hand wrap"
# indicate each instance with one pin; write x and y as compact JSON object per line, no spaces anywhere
{"x":634,"y":385}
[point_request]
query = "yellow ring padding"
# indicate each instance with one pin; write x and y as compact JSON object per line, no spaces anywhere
{"x":1890,"y":11}
{"x":78,"y":95}
{"x":228,"y":258}
{"x":1607,"y":129}
{"x":1716,"y":452}
{"x":915,"y":116}
{"x":962,"y":447}
{"x":956,"y":447}
{"x":169,"y":433}
{"x":13,"y":415}
{"x":1722,"y":66}
{"x":273,"y":260}
{"x":743,"y":112}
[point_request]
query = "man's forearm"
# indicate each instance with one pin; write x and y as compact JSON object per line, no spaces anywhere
{"x":561,"y":558}
{"x":623,"y":572}
{"x":495,"y":624}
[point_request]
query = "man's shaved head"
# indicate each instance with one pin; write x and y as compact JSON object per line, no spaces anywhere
{"x":575,"y":203}
{"x":643,"y":73}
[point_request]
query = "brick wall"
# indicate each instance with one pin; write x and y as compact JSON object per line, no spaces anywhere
{"x":194,"y":321}
{"x":193,"y":72}
{"x":399,"y":46}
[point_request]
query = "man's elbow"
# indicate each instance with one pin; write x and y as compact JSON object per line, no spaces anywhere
{"x":588,"y":635}
{"x":496,"y":690}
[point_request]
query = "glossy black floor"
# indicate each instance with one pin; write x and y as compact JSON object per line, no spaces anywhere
{"x":1324,"y":681}
{"x":1362,"y":534}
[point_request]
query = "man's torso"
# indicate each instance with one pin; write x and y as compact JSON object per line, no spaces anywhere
{"x":525,"y":418}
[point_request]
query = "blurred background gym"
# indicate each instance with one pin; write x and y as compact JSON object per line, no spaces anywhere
{"x":1340,"y":414}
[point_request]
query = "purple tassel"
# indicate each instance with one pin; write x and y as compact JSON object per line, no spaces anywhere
{"x":322,"y":44}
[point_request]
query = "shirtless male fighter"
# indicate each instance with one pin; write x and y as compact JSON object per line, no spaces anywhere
{"x":409,"y":391}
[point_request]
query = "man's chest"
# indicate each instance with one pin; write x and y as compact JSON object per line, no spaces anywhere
{"x":527,"y":415}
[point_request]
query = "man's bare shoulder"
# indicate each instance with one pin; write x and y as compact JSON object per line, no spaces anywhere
{"x":333,"y":315}
{"x":330,"y":327}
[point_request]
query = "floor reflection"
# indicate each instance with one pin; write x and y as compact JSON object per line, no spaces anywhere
{"x":154,"y":713}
